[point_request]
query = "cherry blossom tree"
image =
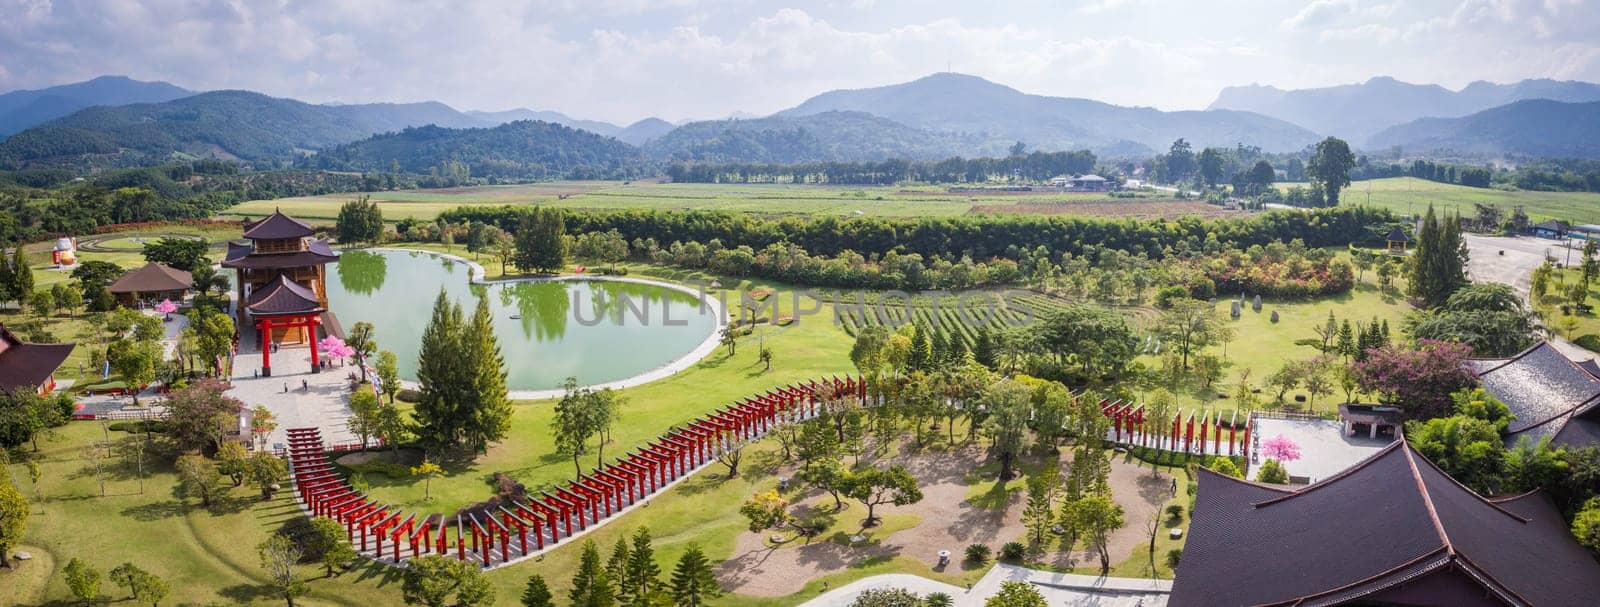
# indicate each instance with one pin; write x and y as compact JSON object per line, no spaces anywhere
{"x":1280,"y":448}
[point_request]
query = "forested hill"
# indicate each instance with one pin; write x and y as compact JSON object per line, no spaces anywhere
{"x":1528,"y":128}
{"x":22,"y":109}
{"x":957,"y":103}
{"x":224,"y":124}
{"x":526,"y":149}
{"x":828,"y":136}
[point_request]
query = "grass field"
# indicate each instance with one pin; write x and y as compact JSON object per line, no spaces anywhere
{"x":759,"y":199}
{"x":1412,"y":195}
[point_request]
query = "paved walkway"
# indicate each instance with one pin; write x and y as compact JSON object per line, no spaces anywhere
{"x":1057,"y":588}
{"x":324,"y":402}
{"x":1324,"y":449}
{"x":1511,"y":260}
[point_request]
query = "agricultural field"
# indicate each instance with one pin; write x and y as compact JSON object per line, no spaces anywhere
{"x":889,"y":201}
{"x":1412,"y":195}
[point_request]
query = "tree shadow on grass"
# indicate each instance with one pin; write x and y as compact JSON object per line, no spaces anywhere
{"x":995,"y":498}
{"x":155,"y":511}
{"x":247,"y":593}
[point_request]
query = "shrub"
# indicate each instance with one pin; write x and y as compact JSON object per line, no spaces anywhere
{"x":409,"y":396}
{"x":1272,"y":472}
{"x":1012,"y":551}
{"x":1166,"y":295}
{"x":978,"y":553}
{"x":1175,"y":512}
{"x":1173,"y":556}
{"x":1588,"y":341}
{"x":938,"y":599}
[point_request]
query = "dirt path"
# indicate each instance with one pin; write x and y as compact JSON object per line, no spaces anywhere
{"x":949,"y":522}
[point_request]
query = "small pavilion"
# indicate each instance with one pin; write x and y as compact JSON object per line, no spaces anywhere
{"x":1393,"y":530}
{"x":1397,"y":240}
{"x":153,"y":282}
{"x":1373,"y":421}
{"x":28,"y":366}
{"x":282,"y":283}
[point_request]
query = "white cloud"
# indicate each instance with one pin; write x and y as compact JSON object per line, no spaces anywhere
{"x":1319,"y":13}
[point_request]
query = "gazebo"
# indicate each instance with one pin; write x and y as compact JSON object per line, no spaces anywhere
{"x":1393,"y":530}
{"x":1397,"y":240}
{"x":1372,"y":420}
{"x":153,"y":282}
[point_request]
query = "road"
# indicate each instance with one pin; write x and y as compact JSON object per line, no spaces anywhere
{"x":1511,"y":261}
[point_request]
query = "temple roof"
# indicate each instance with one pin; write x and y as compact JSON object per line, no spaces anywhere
{"x":1397,"y":235}
{"x":277,"y":226}
{"x":282,"y":297}
{"x":1543,"y":388}
{"x":243,"y":255}
{"x":1390,"y":525}
{"x":23,"y":364}
{"x":151,"y":278}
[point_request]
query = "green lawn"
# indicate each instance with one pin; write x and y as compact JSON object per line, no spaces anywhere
{"x":1412,"y":195}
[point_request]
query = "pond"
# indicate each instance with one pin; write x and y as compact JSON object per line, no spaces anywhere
{"x":598,"y":331}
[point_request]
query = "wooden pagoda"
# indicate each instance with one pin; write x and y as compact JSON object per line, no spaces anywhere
{"x":282,"y":285}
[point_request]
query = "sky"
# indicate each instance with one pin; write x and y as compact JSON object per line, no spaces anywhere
{"x":622,"y":60}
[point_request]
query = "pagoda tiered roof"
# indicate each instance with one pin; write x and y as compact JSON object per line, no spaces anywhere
{"x":277,"y":226}
{"x":283,"y":297}
{"x":243,"y":255}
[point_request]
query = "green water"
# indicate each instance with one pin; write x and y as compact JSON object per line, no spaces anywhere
{"x":548,"y":331}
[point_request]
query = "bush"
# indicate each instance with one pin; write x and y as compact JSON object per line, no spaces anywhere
{"x":409,"y":396}
{"x":140,"y":427}
{"x":1012,"y":551}
{"x":1175,"y":512}
{"x":1588,"y":341}
{"x":978,"y":553}
{"x":1166,"y":295}
{"x":1173,"y":556}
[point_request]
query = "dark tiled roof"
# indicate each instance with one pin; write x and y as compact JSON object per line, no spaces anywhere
{"x":151,"y":278}
{"x":1397,"y":235}
{"x":25,"y":365}
{"x":277,"y":226}
{"x":1387,"y":523}
{"x":1551,"y":224}
{"x":1539,"y":384}
{"x":317,"y":252}
{"x":283,"y":296}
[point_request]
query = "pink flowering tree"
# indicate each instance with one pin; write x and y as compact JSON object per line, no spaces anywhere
{"x":166,"y":307}
{"x":1280,"y":448}
{"x":1419,"y":379}
{"x":334,"y":347}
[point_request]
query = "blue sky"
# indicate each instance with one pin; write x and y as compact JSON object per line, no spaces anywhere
{"x":621,"y":60}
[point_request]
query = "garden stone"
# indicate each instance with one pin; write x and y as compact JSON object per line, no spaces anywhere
{"x":1274,"y":316}
{"x":1255,"y":304}
{"x":1235,"y":309}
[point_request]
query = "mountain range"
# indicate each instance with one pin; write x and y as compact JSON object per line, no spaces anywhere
{"x":1358,"y":111}
{"x":116,"y":120}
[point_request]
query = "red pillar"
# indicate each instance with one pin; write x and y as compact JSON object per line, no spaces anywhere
{"x":265,"y":327}
{"x":311,"y":336}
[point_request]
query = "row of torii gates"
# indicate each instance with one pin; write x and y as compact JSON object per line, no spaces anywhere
{"x":1131,"y":425}
{"x":519,"y":529}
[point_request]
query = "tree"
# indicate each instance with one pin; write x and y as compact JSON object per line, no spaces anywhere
{"x":693,"y":584}
{"x":267,"y":470}
{"x":1272,"y":471}
{"x":642,"y":579}
{"x":25,"y":416}
{"x":591,"y":585}
{"x":198,"y":477}
{"x":765,"y":510}
{"x":13,"y":516}
{"x":1095,"y":517}
{"x":180,"y":253}
{"x":42,"y":302}
{"x":278,"y":555}
{"x":361,"y":341}
{"x":1225,"y":467}
{"x":388,"y":374}
{"x":574,"y":423}
{"x":1488,"y":317}
{"x":359,"y":220}
{"x":1190,"y":325}
{"x":1420,"y":380}
{"x":886,"y":597}
{"x":233,"y":461}
{"x":1438,"y":264}
{"x":729,"y":337}
{"x":83,"y":580}
{"x":1329,"y":168}
{"x":1007,"y":404}
{"x":1211,"y":164}
{"x":1469,"y":449}
{"x":874,"y":487}
{"x":1586,"y":525}
{"x":1016,"y":594}
{"x":1039,"y":514}
{"x":487,"y":405}
{"x":435,"y":580}
{"x":441,"y":366}
{"x":327,"y":541}
{"x":1180,"y":162}
{"x":394,"y":429}
{"x":540,"y":242}
{"x":427,"y":470}
{"x":152,"y":590}
{"x":214,"y":338}
{"x":765,"y":356}
{"x":364,"y":412}
{"x":135,"y":360}
{"x":537,"y":593}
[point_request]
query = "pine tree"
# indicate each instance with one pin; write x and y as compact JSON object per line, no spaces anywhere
{"x":938,"y":349}
{"x":591,"y":587}
{"x":983,"y":350}
{"x":643,"y":576}
{"x":486,"y":401}
{"x":439,"y":369}
{"x":21,"y":277}
{"x":921,"y":355}
{"x":1038,"y":515}
{"x":1347,"y":340}
{"x":537,"y":594}
{"x":693,"y":584}
{"x":1438,"y":265}
{"x":617,"y":570}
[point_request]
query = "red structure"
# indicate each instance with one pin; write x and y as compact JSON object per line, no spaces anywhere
{"x":282,"y":282}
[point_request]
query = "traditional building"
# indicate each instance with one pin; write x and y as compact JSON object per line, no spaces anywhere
{"x":153,"y":282}
{"x":1397,"y":240}
{"x":25,"y":366}
{"x":1393,"y":530}
{"x":1552,"y":396}
{"x":282,"y":283}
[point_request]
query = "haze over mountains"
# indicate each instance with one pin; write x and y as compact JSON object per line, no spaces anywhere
{"x":937,"y":116}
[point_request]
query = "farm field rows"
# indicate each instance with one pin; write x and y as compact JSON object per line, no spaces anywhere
{"x":1412,"y":195}
{"x":758,"y":199}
